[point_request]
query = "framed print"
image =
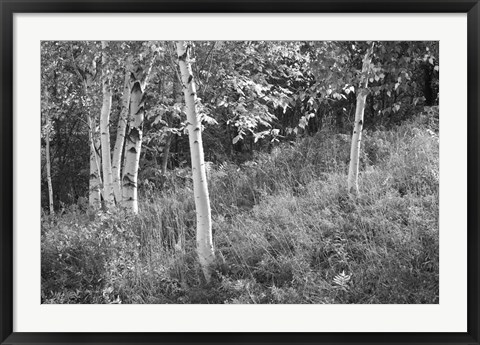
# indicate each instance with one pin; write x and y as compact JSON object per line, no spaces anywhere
{"x":244,"y":172}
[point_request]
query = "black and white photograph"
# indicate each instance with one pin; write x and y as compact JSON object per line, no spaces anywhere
{"x":239,"y":172}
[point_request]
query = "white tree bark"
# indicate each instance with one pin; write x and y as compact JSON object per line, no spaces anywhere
{"x":362,"y":92}
{"x":105,"y":134}
{"x":95,"y":181}
{"x":47,"y":156}
{"x":120,"y":140}
{"x":49,"y":177}
{"x":133,"y":140}
{"x":205,"y":248}
{"x":133,"y":146}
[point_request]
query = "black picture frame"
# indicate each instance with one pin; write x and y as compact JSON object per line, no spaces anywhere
{"x":10,"y":7}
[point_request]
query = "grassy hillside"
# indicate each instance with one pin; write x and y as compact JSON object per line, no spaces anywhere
{"x":285,"y":230}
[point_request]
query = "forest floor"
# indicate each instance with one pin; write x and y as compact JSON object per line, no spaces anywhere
{"x":285,"y":230}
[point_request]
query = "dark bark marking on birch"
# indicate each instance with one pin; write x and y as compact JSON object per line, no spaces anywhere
{"x":144,"y":96}
{"x":129,"y":139}
{"x":128,"y":182}
{"x":136,"y":87}
{"x":132,"y":77}
{"x":183,"y":57}
{"x":190,"y":78}
{"x":360,"y":122}
{"x":134,"y":134}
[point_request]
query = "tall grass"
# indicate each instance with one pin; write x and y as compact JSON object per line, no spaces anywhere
{"x":285,"y":231}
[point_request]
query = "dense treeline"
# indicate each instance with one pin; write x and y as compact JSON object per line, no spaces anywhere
{"x":132,"y":132}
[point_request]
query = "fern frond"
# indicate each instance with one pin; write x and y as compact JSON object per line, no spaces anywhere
{"x":342,"y":280}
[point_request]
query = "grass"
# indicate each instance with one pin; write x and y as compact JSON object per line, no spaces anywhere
{"x":285,"y":231}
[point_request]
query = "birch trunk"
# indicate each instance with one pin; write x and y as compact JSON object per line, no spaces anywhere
{"x":133,"y":140}
{"x":47,"y":156}
{"x":205,"y":249}
{"x":352,"y":180}
{"x":133,"y":145}
{"x":105,"y":134}
{"x":49,"y":176}
{"x":120,"y":140}
{"x":95,"y":181}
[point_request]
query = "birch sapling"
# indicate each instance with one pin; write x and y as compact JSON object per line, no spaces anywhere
{"x":362,"y":92}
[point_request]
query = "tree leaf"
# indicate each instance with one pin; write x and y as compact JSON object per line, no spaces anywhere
{"x":236,"y":139}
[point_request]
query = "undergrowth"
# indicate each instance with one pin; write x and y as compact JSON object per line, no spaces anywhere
{"x":285,"y":231}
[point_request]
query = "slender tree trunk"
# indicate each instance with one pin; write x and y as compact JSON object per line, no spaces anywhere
{"x":47,"y":155}
{"x":133,"y":141}
{"x":105,"y":133}
{"x":132,"y":149}
{"x":352,"y":181}
{"x":205,"y":249}
{"x":49,"y":176}
{"x":120,"y":140}
{"x":95,"y":182}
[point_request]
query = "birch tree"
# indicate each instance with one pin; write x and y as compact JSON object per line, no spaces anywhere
{"x":120,"y":139}
{"x":49,"y":176}
{"x":362,"y":92}
{"x":47,"y":154}
{"x":95,"y":181}
{"x":133,"y":138}
{"x":105,"y":132}
{"x":205,"y":249}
